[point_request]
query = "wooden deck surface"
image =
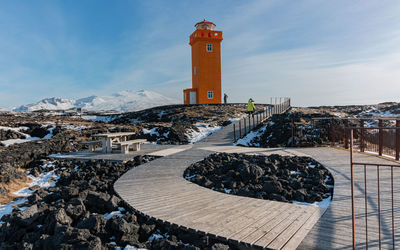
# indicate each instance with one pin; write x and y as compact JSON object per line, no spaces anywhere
{"x":158,"y":190}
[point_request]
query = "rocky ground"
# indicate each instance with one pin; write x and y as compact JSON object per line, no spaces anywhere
{"x":173,"y":124}
{"x":277,"y":131}
{"x":82,"y":211}
{"x":273,"y":177}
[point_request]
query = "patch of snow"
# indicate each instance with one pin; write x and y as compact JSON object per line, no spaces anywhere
{"x":113,"y":213}
{"x":188,"y":177}
{"x":204,"y":131}
{"x":15,"y":141}
{"x":45,"y":180}
{"x":75,"y":127}
{"x":129,"y":247}
{"x":17,"y":130}
{"x":246,"y":141}
{"x":155,"y":237}
{"x":325,"y":203}
{"x":8,"y":207}
{"x":227,"y":190}
{"x":50,"y":134}
{"x":98,"y":118}
{"x":294,"y":172}
{"x":48,"y":179}
{"x":152,"y":131}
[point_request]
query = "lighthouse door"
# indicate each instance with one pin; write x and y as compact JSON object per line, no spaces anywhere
{"x":192,"y":97}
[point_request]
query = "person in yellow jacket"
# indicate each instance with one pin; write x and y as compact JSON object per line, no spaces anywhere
{"x":250,"y":106}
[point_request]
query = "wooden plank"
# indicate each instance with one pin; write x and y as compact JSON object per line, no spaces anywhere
{"x":246,"y":219}
{"x":276,"y":230}
{"x":285,"y":215}
{"x":291,"y":230}
{"x":259,"y":221}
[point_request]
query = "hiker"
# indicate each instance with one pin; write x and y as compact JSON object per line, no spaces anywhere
{"x":250,"y":106}
{"x":225,"y":98}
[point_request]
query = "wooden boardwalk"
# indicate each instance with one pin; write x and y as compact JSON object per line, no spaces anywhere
{"x":158,"y":190}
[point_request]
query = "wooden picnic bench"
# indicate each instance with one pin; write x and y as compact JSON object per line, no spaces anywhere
{"x":112,"y":139}
{"x":92,"y":144}
{"x":126,"y":144}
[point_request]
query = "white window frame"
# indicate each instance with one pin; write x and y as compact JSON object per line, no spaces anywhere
{"x":194,"y":70}
{"x":210,"y":94}
{"x":209,"y":47}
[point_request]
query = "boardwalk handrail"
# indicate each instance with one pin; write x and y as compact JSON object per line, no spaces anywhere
{"x":381,"y":139}
{"x":242,"y":127}
{"x":367,"y":196}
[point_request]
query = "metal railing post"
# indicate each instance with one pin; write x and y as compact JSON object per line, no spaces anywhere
{"x":346,"y":136}
{"x":353,"y":216}
{"x":380,"y":134}
{"x":362,"y":132}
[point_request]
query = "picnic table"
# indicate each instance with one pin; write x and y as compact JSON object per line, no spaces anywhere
{"x":108,"y":139}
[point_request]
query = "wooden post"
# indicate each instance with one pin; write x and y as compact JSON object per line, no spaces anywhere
{"x":362,"y":132}
{"x":380,"y":134}
{"x":397,"y":139}
{"x":249,"y":122}
{"x":240,"y":128}
{"x":234,"y":132}
{"x":346,"y":135}
{"x":292,"y":132}
{"x":244,"y":123}
{"x":332,"y":133}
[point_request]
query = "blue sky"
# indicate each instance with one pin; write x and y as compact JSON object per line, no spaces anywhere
{"x":317,"y":52}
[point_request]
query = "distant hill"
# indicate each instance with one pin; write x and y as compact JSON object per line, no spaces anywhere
{"x":123,"y":101}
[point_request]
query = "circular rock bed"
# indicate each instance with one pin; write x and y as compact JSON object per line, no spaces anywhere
{"x":274,"y":177}
{"x":82,"y":211}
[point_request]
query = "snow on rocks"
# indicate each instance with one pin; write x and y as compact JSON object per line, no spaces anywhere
{"x":81,"y":210}
{"x":203,"y":130}
{"x":44,"y":180}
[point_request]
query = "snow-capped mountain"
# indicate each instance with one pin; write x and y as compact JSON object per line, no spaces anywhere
{"x":123,"y":101}
{"x":48,"y":104}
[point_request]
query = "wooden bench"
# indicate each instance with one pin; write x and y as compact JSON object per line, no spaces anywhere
{"x":125,"y":145}
{"x":92,"y":144}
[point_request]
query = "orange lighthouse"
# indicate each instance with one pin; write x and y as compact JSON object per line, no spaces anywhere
{"x":206,"y":65}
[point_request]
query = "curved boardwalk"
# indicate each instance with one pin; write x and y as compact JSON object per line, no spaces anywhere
{"x":158,"y":190}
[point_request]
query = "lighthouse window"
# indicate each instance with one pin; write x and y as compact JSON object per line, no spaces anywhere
{"x":194,"y":70}
{"x":209,"y":47}
{"x":210,"y":94}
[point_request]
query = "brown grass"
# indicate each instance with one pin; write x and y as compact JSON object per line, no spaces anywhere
{"x":13,"y":186}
